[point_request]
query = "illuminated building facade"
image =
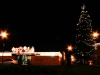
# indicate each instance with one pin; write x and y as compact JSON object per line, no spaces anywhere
{"x":96,"y":58}
{"x":27,"y":55}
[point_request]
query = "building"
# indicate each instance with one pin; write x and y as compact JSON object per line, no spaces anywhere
{"x":96,"y":58}
{"x":28,"y":55}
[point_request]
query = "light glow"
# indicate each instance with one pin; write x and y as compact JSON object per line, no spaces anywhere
{"x":90,"y":62}
{"x":70,"y":48}
{"x":95,"y":35}
{"x":4,"y":34}
{"x":72,"y":58}
{"x":23,"y":50}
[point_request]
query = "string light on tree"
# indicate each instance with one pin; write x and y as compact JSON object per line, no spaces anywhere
{"x":84,"y":40}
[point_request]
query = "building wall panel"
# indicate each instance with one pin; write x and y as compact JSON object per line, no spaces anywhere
{"x":45,"y":60}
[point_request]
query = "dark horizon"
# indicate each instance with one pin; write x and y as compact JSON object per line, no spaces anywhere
{"x":46,"y":27}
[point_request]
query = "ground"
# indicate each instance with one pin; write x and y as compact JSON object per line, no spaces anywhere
{"x":50,"y":70}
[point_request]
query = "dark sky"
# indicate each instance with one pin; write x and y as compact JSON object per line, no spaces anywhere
{"x":48,"y":26}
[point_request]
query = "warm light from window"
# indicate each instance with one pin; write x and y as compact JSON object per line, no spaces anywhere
{"x":72,"y":58}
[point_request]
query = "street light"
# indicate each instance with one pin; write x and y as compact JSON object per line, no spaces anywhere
{"x":69,"y":50}
{"x":95,"y":35}
{"x":4,"y":35}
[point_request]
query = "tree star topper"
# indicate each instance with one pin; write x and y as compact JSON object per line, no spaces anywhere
{"x":83,"y":7}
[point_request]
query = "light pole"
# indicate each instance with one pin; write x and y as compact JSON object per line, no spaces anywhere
{"x":4,"y":35}
{"x":69,"y":50}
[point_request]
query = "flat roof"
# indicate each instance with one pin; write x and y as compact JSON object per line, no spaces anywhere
{"x":35,"y":53}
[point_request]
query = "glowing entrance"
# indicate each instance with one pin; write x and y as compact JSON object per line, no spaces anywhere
{"x":23,"y":54}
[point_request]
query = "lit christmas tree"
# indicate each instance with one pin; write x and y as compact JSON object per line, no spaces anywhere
{"x":84,"y":40}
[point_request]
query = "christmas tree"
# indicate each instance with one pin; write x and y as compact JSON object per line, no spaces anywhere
{"x":84,"y":40}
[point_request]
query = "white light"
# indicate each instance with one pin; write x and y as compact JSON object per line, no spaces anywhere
{"x":25,"y":47}
{"x":5,"y":53}
{"x":3,"y":34}
{"x":49,"y":53}
{"x":13,"y":49}
{"x":32,"y":49}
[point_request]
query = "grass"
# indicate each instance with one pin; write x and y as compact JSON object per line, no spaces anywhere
{"x":49,"y":70}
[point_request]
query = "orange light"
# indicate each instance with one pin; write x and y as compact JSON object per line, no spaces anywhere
{"x":4,"y":34}
{"x":72,"y":58}
{"x":95,"y":34}
{"x":70,"y":48}
{"x":90,"y":62}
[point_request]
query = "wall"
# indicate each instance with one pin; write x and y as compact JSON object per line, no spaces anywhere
{"x":46,"y":60}
{"x":6,"y":57}
{"x":96,"y":58}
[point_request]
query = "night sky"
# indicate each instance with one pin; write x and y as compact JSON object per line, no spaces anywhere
{"x":47,"y":26}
